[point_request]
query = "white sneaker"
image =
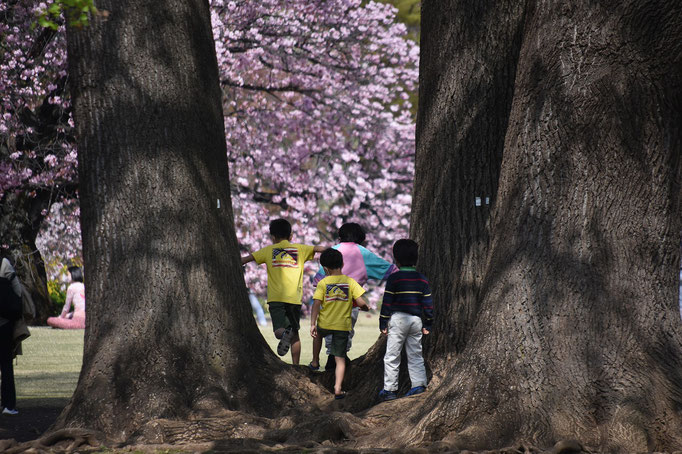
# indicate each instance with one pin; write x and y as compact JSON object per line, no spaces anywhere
{"x":7,"y":411}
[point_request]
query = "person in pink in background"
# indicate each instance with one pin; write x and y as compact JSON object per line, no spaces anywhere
{"x":75,"y":295}
{"x":358,"y":263}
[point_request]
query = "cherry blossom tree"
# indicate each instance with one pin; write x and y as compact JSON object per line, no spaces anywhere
{"x":318,"y":120}
{"x":37,"y":156}
{"x":318,"y":117}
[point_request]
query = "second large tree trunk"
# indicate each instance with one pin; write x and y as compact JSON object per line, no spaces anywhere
{"x":564,"y":293}
{"x":169,"y":328}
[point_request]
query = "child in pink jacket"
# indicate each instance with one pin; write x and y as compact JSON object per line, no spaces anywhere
{"x":358,"y":263}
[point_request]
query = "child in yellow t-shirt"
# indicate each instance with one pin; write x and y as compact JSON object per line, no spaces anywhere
{"x":332,"y":305}
{"x":284,"y":261}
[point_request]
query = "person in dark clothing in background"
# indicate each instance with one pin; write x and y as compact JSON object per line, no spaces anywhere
{"x":10,"y":289}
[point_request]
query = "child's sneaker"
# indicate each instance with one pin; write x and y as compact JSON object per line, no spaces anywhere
{"x":415,"y":390}
{"x":285,"y":342}
{"x":8,"y":411}
{"x":387,"y":395}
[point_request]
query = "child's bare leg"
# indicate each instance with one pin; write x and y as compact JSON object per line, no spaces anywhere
{"x":339,"y":372}
{"x":279,"y":332}
{"x":295,"y":349}
{"x":317,"y":346}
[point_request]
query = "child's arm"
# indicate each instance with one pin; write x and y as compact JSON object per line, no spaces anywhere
{"x":377,"y":268}
{"x":247,"y":259}
{"x":319,"y":276}
{"x":69,"y":300}
{"x":361,"y":302}
{"x":313,"y":317}
{"x":386,"y":310}
{"x":427,"y":309}
{"x":317,"y":249}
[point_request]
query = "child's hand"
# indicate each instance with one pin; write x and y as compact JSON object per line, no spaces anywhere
{"x":364,"y":308}
{"x":313,"y":330}
{"x":384,"y":331}
{"x":425,"y":331}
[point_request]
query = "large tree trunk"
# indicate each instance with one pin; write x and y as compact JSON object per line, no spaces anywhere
{"x":466,"y":85}
{"x":169,"y":328}
{"x":569,"y":321}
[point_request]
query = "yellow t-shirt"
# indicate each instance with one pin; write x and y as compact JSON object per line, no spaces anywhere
{"x":285,"y":269}
{"x":337,"y":294}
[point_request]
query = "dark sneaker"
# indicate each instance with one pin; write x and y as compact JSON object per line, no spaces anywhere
{"x":387,"y":395}
{"x":415,"y":390}
{"x":285,"y":342}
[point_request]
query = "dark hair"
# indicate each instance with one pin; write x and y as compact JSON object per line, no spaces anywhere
{"x":76,"y":273}
{"x":332,"y":259}
{"x":352,"y":232}
{"x":406,"y":252}
{"x":280,"y":228}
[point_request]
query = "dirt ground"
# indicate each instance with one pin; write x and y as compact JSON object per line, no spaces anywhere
{"x":32,"y":421}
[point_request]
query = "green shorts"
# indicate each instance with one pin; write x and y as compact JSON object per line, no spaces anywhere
{"x":339,"y":340}
{"x":285,"y":315}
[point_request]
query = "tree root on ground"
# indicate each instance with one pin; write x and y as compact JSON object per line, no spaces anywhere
{"x":299,"y":427}
{"x":62,"y":440}
{"x":238,"y":432}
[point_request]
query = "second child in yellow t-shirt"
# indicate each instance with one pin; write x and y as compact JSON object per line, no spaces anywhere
{"x":331,"y":315}
{"x":284,"y":261}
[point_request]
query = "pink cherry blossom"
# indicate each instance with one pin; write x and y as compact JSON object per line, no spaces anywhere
{"x":318,"y":121}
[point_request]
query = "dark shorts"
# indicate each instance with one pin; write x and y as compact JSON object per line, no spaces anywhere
{"x":285,"y":315}
{"x":339,"y":340}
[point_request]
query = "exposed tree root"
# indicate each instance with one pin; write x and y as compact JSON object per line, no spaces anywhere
{"x":567,"y":447}
{"x":298,"y":427}
{"x":317,"y":423}
{"x":322,"y":428}
{"x":63,"y":440}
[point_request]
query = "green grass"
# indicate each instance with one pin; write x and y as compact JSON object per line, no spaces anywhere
{"x":50,"y":364}
{"x":51,"y":360}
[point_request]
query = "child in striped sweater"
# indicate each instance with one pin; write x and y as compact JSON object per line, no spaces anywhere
{"x":406,"y":314}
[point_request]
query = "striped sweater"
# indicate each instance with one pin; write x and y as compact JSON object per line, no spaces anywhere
{"x":407,"y":291}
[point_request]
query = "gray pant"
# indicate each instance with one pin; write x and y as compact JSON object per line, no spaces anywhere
{"x":353,"y":319}
{"x":405,"y":329}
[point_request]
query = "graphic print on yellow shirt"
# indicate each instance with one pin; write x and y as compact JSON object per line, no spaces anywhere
{"x":285,"y":261}
{"x":337,"y":294}
{"x":285,"y":257}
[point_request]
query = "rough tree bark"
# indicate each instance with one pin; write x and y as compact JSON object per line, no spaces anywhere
{"x":169,"y":331}
{"x":564,"y":290}
{"x":466,"y":86}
